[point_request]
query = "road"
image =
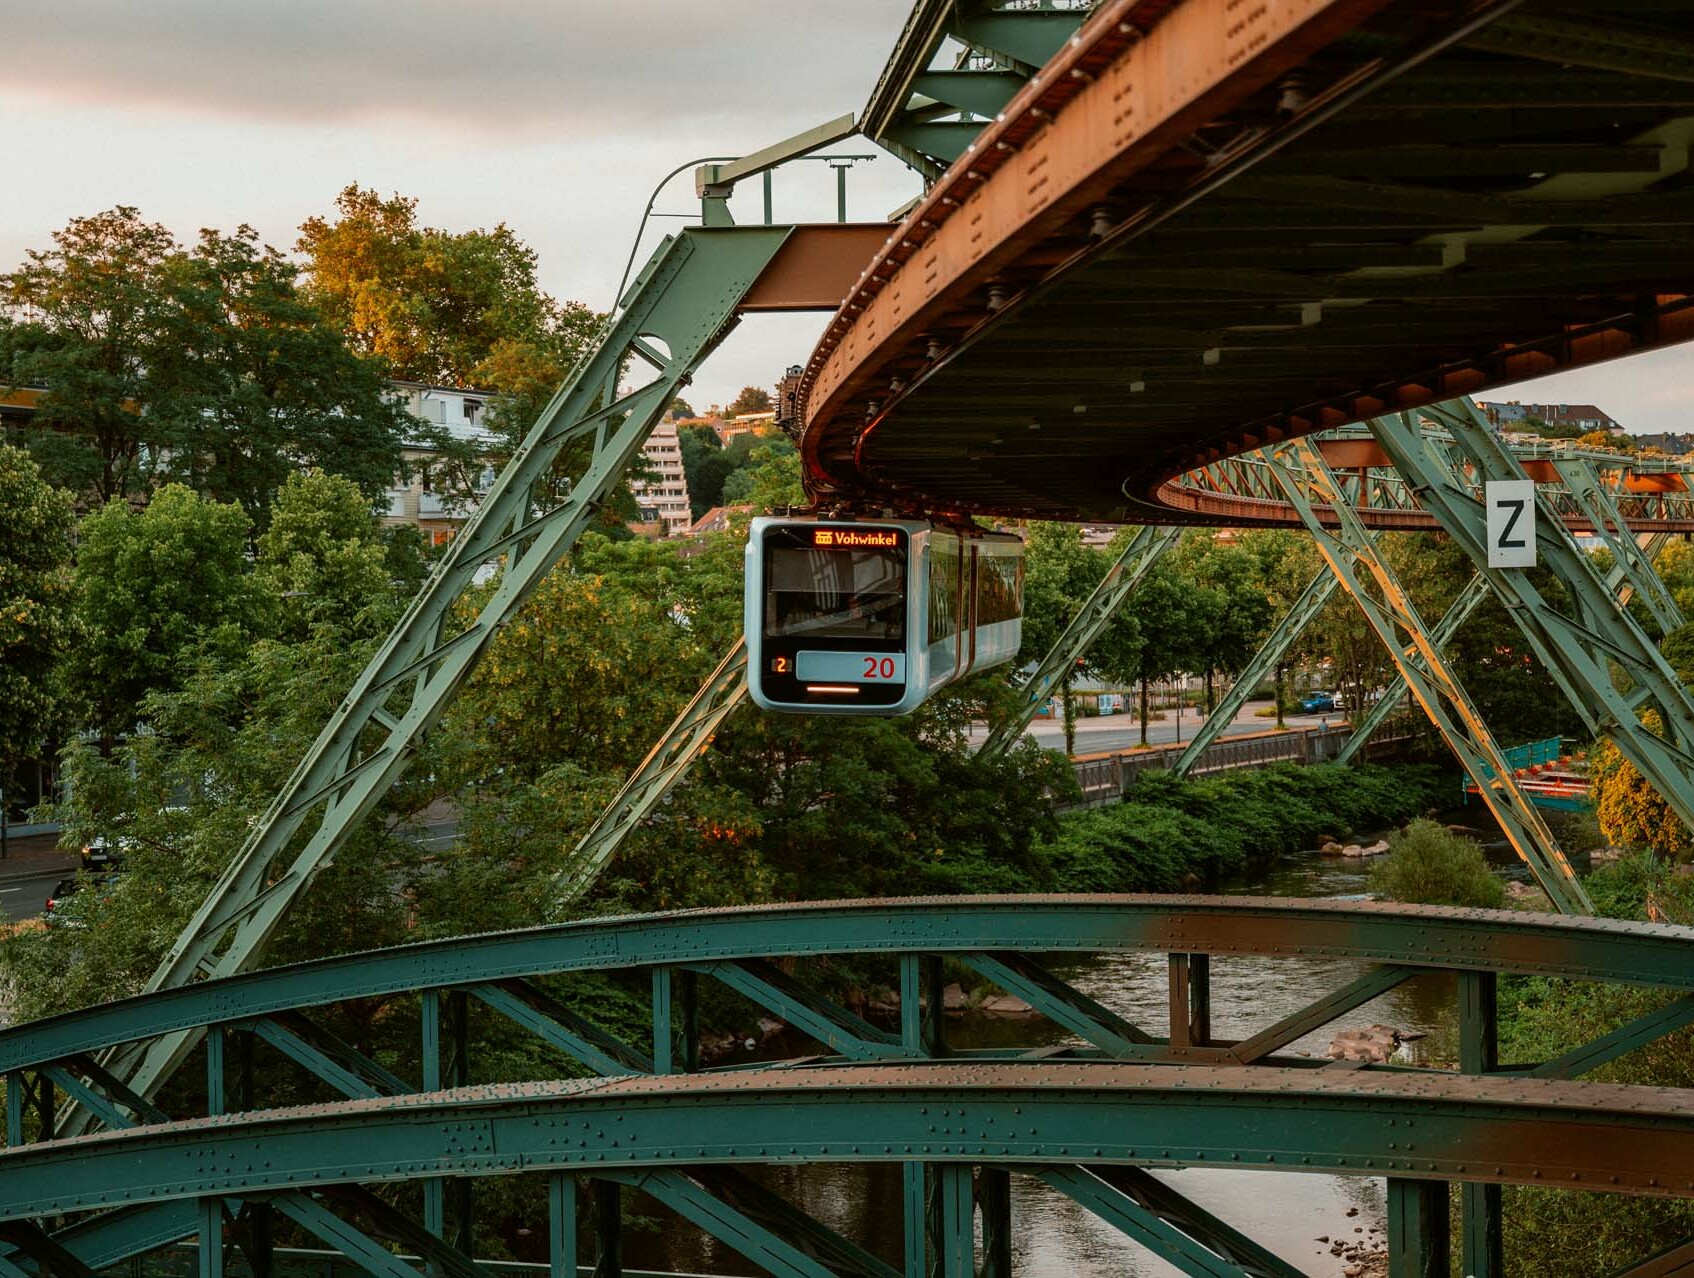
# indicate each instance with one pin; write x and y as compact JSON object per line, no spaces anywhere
{"x":1121,"y":732}
{"x":25,"y":898}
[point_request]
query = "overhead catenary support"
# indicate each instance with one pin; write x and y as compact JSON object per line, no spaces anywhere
{"x":683,"y":742}
{"x":1143,"y":551}
{"x":1594,"y":499}
{"x":1310,"y":483}
{"x":680,"y":307}
{"x":1265,"y":661}
{"x":1579,"y":642}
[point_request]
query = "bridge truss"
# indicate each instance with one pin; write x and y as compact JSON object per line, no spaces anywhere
{"x":1091,"y":1102}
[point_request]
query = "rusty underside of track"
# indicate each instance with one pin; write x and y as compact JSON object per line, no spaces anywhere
{"x":1204,"y":227}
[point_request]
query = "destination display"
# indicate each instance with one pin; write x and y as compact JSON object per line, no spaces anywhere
{"x":850,"y":667}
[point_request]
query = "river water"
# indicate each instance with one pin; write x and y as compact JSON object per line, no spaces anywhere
{"x":1053,"y":1237}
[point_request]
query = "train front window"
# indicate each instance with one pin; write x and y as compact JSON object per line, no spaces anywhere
{"x":815,"y":593}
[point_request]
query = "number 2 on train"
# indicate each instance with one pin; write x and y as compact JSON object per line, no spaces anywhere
{"x":879,"y":667}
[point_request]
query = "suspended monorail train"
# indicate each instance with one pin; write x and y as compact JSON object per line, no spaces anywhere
{"x":870,"y":617}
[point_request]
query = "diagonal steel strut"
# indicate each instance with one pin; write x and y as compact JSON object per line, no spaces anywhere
{"x":1293,"y":624}
{"x":1579,"y":642}
{"x":684,"y":300}
{"x":1137,"y":558}
{"x":674,"y":753}
{"x":1345,"y":548}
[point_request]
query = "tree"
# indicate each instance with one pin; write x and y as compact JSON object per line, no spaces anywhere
{"x":1229,"y":588}
{"x":204,"y":367}
{"x":457,"y":309}
{"x":324,"y":561}
{"x":681,"y":409}
{"x":752,"y":399}
{"x":264,"y":384}
{"x":95,"y":338}
{"x":1169,"y":625}
{"x":1059,"y":574}
{"x":705,"y":465}
{"x":34,"y":606}
{"x":151,"y":587}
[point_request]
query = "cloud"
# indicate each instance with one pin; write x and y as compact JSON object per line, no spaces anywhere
{"x":513,"y":66}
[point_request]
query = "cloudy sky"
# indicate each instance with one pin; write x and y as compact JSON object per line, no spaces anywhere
{"x":554,"y":116}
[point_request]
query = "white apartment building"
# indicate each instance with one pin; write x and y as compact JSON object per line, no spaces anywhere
{"x":664,"y":500}
{"x":438,"y":503}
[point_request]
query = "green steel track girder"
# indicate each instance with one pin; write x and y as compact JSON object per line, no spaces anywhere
{"x":1265,"y":661}
{"x":1458,"y":612}
{"x":1410,"y":936}
{"x":1594,"y":499}
{"x":674,"y":753}
{"x":1133,"y":563}
{"x":678,"y":309}
{"x":1349,"y":546}
{"x":1576,"y":647}
{"x":1623,"y":1139}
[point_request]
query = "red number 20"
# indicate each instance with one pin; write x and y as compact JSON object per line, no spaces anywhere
{"x":879,"y":667}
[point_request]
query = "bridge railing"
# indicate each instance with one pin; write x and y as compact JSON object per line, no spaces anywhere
{"x":1104,"y":778}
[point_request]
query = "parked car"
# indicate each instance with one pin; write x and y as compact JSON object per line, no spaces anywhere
{"x":1319,"y":703}
{"x":65,"y":905}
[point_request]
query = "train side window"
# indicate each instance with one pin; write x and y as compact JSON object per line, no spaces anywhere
{"x":943,"y":592}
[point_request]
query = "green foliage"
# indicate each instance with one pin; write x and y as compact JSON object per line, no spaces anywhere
{"x":1557,"y":1234}
{"x":201,"y":366}
{"x":152,"y":587}
{"x":1429,"y":865}
{"x":34,"y":606}
{"x":1632,"y":814}
{"x":1170,"y":833}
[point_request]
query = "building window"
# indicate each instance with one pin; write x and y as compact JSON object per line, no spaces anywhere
{"x":472,"y":408}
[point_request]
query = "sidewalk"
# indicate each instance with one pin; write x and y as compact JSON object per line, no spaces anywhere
{"x":35,"y":856}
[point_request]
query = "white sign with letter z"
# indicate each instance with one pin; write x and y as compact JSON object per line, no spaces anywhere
{"x":1511,"y":522}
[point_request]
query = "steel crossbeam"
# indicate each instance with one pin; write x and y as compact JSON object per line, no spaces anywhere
{"x":673,"y":754}
{"x":685,"y":300}
{"x":1310,"y":484}
{"x":1265,"y":661}
{"x":1588,"y":1135}
{"x":1133,"y":563}
{"x":1578,"y":644}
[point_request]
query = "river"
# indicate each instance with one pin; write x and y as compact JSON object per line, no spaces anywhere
{"x":1053,"y":1237}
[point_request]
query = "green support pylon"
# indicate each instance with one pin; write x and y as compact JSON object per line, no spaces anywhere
{"x":676,"y":312}
{"x":684,"y":742}
{"x":1458,"y":612}
{"x":1577,"y":646}
{"x":1423,"y":667}
{"x":1097,"y":611}
{"x":1264,"y":662}
{"x":1594,"y":500}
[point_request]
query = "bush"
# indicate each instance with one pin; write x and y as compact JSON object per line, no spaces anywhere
{"x":1170,"y":834}
{"x":1428,"y":865}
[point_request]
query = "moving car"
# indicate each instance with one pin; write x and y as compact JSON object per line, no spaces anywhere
{"x":1319,"y":703}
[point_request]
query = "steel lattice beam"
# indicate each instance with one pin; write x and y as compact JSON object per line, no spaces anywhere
{"x":684,"y":302}
{"x":1309,"y":484}
{"x":1265,"y":661}
{"x":1133,"y":563}
{"x":1458,"y":612}
{"x":1595,"y":500}
{"x":1577,"y":646}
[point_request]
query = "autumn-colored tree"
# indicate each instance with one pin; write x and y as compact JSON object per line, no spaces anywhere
{"x":752,"y":399}
{"x":448,"y":308}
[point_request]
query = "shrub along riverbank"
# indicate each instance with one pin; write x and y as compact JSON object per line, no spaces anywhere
{"x":1170,"y":834}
